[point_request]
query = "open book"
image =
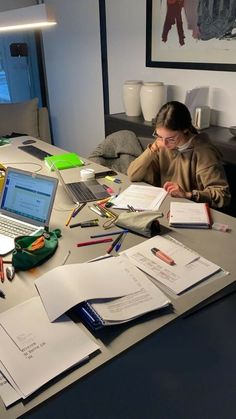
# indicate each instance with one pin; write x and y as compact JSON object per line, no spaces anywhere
{"x":110,"y":291}
{"x":190,"y":215}
{"x":140,"y":197}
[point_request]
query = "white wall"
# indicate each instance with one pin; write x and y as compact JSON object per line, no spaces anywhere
{"x":74,"y":76}
{"x":126,"y":27}
{"x":73,"y":66}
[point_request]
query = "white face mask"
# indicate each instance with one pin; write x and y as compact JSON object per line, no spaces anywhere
{"x":185,"y":146}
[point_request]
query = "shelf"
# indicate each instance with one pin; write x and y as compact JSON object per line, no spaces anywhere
{"x":220,"y":136}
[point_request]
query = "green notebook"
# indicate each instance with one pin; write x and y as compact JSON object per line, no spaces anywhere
{"x":63,"y":161}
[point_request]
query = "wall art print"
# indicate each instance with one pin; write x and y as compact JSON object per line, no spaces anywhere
{"x":191,"y":34}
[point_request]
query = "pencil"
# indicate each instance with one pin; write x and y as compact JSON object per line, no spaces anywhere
{"x":66,"y":257}
{"x":69,"y":218}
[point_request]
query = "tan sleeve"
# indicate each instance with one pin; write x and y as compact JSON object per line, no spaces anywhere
{"x":215,"y":187}
{"x":145,"y":168}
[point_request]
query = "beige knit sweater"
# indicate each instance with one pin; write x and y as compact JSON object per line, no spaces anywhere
{"x":197,"y":169}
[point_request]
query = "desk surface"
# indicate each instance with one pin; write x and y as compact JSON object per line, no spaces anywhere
{"x":210,"y":243}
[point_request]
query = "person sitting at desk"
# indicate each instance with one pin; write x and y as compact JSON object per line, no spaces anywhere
{"x":181,"y":160}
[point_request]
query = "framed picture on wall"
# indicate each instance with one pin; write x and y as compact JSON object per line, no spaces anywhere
{"x":191,"y":34}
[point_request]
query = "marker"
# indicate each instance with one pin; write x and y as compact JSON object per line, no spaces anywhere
{"x":94,"y":242}
{"x":88,"y":223}
{"x":163,"y":256}
{"x":97,"y":211}
{"x":113,"y":179}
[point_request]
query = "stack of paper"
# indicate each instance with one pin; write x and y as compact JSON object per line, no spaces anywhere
{"x":33,"y":350}
{"x":68,"y":285}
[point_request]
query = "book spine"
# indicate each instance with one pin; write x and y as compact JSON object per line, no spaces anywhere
{"x":209,"y":215}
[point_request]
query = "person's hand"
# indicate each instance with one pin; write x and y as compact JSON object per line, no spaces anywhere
{"x":156,"y":145}
{"x":175,"y":190}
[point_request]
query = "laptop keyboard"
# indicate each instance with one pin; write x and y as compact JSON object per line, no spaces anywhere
{"x":14,"y":229}
{"x":82,"y":192}
{"x":35,"y":151}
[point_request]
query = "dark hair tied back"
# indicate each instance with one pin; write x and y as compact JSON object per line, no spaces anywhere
{"x":175,"y":116}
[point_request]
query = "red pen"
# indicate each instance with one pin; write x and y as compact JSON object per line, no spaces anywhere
{"x":2,"y":276}
{"x":109,"y":239}
{"x":163,"y":256}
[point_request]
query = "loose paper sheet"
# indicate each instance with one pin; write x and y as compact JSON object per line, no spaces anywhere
{"x":189,"y":269}
{"x":68,"y":285}
{"x":147,"y":299}
{"x":33,"y":350}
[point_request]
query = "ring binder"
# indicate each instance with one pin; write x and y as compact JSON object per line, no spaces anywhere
{"x":89,"y":316}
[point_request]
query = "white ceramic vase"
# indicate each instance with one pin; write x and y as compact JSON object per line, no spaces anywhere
{"x":152,"y":97}
{"x":131,"y":97}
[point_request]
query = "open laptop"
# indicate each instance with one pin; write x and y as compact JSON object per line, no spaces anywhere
{"x":85,"y":191}
{"x":25,"y":205}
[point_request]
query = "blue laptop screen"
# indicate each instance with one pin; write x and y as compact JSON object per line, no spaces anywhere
{"x":28,"y":196}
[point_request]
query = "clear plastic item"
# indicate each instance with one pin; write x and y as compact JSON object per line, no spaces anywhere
{"x":220,"y":227}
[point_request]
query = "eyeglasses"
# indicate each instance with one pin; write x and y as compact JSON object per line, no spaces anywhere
{"x":171,"y":140}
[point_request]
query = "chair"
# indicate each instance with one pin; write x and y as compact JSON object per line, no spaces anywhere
{"x":25,"y":118}
{"x":117,"y":151}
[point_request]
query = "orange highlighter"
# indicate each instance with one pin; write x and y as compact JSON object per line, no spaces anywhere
{"x":163,"y":256}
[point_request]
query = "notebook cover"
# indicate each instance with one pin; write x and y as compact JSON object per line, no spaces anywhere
{"x":63,"y":161}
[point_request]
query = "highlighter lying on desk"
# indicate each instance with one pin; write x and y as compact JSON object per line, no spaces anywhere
{"x":163,"y":256}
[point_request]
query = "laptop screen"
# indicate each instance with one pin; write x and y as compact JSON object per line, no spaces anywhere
{"x":28,"y":196}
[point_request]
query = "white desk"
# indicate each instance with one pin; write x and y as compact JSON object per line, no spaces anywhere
{"x":213,"y":245}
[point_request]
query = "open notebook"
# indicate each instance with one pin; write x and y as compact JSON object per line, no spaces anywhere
{"x":25,"y":205}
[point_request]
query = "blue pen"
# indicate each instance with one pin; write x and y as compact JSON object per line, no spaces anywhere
{"x":112,"y":233}
{"x":118,"y":246}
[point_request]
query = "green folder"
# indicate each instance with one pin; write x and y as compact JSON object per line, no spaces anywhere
{"x":63,"y":161}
